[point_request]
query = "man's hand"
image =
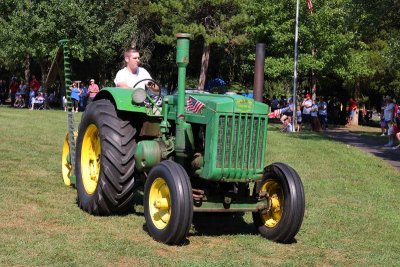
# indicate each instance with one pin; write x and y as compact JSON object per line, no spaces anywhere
{"x":154,"y":87}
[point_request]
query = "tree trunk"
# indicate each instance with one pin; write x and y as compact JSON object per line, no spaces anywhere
{"x":357,"y":90}
{"x":204,"y":66}
{"x":27,"y":71}
{"x":313,"y":80}
{"x":314,"y":86}
{"x":44,"y":69}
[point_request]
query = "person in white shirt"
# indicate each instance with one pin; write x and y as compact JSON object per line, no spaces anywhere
{"x":307,"y":104}
{"x":133,"y":73}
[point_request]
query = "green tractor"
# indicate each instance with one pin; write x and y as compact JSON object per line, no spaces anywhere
{"x":193,"y":151}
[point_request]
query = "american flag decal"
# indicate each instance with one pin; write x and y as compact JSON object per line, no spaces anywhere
{"x":194,"y":105}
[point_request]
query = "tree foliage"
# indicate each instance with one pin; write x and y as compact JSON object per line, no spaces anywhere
{"x":350,"y":47}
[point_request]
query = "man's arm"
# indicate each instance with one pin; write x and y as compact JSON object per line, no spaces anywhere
{"x":122,"y":84}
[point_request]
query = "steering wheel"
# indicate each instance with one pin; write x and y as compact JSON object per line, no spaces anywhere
{"x":147,"y":89}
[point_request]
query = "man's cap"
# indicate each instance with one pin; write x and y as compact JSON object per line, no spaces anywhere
{"x":308,"y":95}
{"x":92,"y":80}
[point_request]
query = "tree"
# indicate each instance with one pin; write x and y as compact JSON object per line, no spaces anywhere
{"x":215,"y":22}
{"x":31,"y":30}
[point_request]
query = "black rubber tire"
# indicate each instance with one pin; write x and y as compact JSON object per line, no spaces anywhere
{"x":181,"y":203}
{"x":293,"y":203}
{"x":114,"y":190}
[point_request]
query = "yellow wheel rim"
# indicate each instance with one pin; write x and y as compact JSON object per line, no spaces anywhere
{"x":90,"y":158}
{"x":66,"y":162}
{"x":160,"y":203}
{"x":275,"y":192}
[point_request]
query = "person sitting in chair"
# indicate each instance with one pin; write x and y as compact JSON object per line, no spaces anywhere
{"x":37,"y":101}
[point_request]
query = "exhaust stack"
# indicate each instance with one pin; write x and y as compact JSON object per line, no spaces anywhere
{"x":259,"y":73}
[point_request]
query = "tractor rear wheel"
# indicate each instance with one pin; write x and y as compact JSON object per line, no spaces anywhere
{"x":282,"y":220}
{"x":105,"y":162}
{"x":168,"y":203}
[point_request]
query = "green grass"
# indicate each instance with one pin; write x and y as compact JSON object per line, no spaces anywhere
{"x":352,"y":209}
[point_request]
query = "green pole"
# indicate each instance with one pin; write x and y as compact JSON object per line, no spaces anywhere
{"x":67,"y":71}
{"x":70,"y":116}
{"x":182,"y":60}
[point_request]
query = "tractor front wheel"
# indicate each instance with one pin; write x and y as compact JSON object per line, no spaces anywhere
{"x":105,"y":162}
{"x":282,"y":187}
{"x":168,"y":203}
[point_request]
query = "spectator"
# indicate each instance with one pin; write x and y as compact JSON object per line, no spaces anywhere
{"x":398,"y":139}
{"x":38,"y":100}
{"x":64,"y":103}
{"x":315,"y":125}
{"x":287,"y":125}
{"x":274,"y":103}
{"x":323,"y":113}
{"x":396,"y":112}
{"x":32,"y":96}
{"x":352,"y":111}
{"x":299,"y":119}
{"x":34,"y":84}
{"x":307,"y":104}
{"x":388,"y":112}
{"x":83,"y":97}
{"x":92,"y":90}
{"x":20,"y":96}
{"x":382,"y":124}
{"x":282,"y":102}
{"x":14,"y":86}
{"x":75,"y":93}
{"x":364,"y":116}
{"x":392,"y":131}
{"x":288,"y":111}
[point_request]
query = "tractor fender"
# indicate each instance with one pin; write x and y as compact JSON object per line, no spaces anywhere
{"x":121,"y":98}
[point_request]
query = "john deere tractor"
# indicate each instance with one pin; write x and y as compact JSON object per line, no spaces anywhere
{"x":193,"y":151}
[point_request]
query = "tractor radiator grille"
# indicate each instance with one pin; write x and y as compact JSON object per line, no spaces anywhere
{"x":241,"y":142}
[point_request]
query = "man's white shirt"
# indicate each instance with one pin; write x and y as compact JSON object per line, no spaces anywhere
{"x":130,"y":78}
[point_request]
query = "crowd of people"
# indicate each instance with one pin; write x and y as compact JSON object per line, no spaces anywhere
{"x":313,"y":115}
{"x":390,"y":121}
{"x":81,"y":95}
{"x":309,"y":113}
{"x":31,"y":94}
{"x":22,"y":94}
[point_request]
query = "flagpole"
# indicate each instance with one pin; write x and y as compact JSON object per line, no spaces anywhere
{"x":296,"y":38}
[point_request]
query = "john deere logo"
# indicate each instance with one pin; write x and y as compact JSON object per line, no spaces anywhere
{"x":244,"y":105}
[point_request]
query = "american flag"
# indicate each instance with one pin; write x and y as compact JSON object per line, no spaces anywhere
{"x":309,"y":5}
{"x":277,"y":112}
{"x":194,"y":105}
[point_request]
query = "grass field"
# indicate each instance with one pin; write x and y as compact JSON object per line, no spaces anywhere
{"x":352,"y":209}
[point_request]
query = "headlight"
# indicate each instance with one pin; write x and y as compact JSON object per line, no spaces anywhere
{"x":139,"y":95}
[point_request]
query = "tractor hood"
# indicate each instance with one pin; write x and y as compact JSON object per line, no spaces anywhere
{"x":229,"y":103}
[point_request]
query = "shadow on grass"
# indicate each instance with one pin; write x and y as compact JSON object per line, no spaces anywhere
{"x":184,"y":242}
{"x":218,"y":224}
